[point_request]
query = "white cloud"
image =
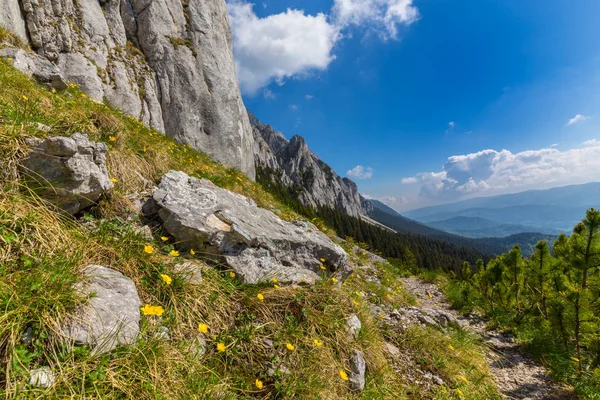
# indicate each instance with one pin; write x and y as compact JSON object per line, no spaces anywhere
{"x":269,"y":94}
{"x":388,"y":200}
{"x":411,"y":180}
{"x":576,"y":119}
{"x":293,"y":107}
{"x":451,"y":124}
{"x":591,"y":143}
{"x":360,"y":172}
{"x":309,"y":97}
{"x":382,"y":16}
{"x":493,"y":172}
{"x":294,"y":44}
{"x":279,"y":46}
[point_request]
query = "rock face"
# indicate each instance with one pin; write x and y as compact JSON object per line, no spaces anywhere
{"x":255,"y":242}
{"x":111,"y":317}
{"x":167,"y":62}
{"x":293,"y":164}
{"x":68,"y":171}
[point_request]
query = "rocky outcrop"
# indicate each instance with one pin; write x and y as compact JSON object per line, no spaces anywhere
{"x":169,"y":63}
{"x":67,"y":171}
{"x":254,"y":242}
{"x":358,"y":368}
{"x":112,"y":315}
{"x":36,"y":66}
{"x":293,"y":164}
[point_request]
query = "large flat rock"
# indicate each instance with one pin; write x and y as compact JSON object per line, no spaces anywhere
{"x":254,"y":242}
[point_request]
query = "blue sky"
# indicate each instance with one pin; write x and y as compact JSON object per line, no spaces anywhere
{"x":436,"y":100}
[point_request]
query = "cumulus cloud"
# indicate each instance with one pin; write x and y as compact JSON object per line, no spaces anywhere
{"x":451,"y":124}
{"x":490,"y":171}
{"x":382,"y":16}
{"x":309,"y":97}
{"x":577,"y":118}
{"x":295,"y":44}
{"x":360,"y":172}
{"x":279,"y":46}
{"x":388,"y":200}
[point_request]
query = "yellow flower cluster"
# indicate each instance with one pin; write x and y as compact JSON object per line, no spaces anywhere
{"x":166,"y":279}
{"x":153,"y":310}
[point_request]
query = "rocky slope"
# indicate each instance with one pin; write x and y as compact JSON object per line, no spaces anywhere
{"x":168,"y":63}
{"x":295,"y":165}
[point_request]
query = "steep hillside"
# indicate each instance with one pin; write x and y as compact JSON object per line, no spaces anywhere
{"x":475,"y":227}
{"x":167,"y":63}
{"x":294,"y":165}
{"x":557,"y":208}
{"x":112,"y":303}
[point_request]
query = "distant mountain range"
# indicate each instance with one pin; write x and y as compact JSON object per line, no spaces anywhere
{"x":385,"y":215}
{"x":548,"y":211}
{"x":476,"y":227}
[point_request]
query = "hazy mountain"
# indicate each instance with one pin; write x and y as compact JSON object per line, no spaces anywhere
{"x":547,"y":210}
{"x":476,"y":227}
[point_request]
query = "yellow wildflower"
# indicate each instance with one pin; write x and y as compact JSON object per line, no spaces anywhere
{"x":83,"y":95}
{"x":166,"y":279}
{"x":174,"y":253}
{"x":317,"y":342}
{"x":334,"y":280}
{"x":164,"y":238}
{"x":464,"y":379}
{"x":575,"y":359}
{"x":53,"y":90}
{"x":381,"y":316}
{"x":25,"y":98}
{"x":259,"y":384}
{"x":73,"y":86}
{"x":232,"y":274}
{"x":430,"y":295}
{"x":451,"y":347}
{"x":343,"y":375}
{"x":9,"y":59}
{"x":149,"y":249}
{"x":459,"y":392}
{"x":112,"y":138}
{"x":274,"y":280}
{"x":276,"y":286}
{"x":221,"y":347}
{"x":153,"y":310}
{"x":192,"y":252}
{"x":322,"y":260}
{"x":260,"y":296}
{"x":202,"y":328}
{"x":323,"y":267}
{"x":290,"y":347}
{"x":356,"y":303}
{"x":113,"y":180}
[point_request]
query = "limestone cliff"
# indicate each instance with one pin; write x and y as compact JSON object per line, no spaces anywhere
{"x":297,"y":166}
{"x":167,"y":62}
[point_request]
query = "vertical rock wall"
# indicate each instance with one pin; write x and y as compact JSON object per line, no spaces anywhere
{"x":167,"y":62}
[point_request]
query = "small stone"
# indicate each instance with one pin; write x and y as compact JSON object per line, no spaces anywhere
{"x":145,"y":232}
{"x":391,"y":349}
{"x":357,"y":367}
{"x":354,"y":326}
{"x":162,"y":333}
{"x":27,"y":336}
{"x":275,"y":370}
{"x":41,"y":377}
{"x":198,"y":346}
{"x":191,"y":272}
{"x":268,"y":342}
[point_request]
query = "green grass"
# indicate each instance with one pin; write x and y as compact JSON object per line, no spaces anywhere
{"x":42,"y":252}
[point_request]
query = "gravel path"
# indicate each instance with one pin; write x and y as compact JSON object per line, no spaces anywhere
{"x":517,"y":376}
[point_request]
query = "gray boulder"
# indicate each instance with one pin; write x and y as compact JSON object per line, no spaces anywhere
{"x":68,"y":171}
{"x":36,"y":66}
{"x":111,"y":317}
{"x":254,"y":242}
{"x":357,"y":368}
